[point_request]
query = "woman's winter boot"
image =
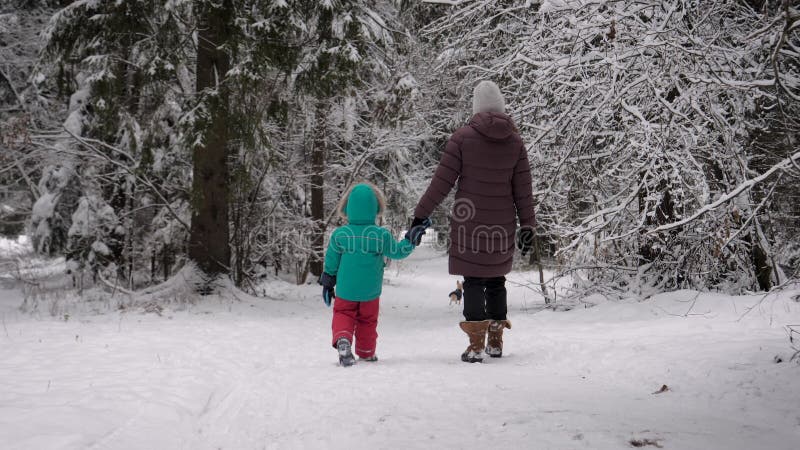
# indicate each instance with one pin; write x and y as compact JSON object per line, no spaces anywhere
{"x":476,"y":330}
{"x":494,"y":347}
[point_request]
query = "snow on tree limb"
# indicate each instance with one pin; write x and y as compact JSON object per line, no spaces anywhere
{"x":131,"y":171}
{"x":747,"y":185}
{"x":444,"y":2}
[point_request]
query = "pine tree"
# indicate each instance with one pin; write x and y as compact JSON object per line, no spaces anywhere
{"x":329,"y":69}
{"x":209,"y":240}
{"x":125,"y":66}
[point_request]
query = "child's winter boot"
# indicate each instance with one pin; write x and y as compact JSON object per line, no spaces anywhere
{"x":476,"y":330}
{"x":346,"y":357}
{"x":494,"y":347}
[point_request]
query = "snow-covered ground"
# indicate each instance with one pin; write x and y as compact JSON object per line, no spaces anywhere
{"x":13,"y":247}
{"x":260,"y":374}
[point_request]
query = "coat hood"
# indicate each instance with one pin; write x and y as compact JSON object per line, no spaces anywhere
{"x":362,"y":204}
{"x":495,"y":126}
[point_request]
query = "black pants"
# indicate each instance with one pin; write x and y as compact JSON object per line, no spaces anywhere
{"x":485,"y":298}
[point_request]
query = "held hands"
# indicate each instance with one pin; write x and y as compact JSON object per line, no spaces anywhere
{"x":328,"y":282}
{"x":525,"y":240}
{"x":417,"y":230}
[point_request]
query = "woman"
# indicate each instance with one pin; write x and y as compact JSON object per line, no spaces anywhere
{"x":490,"y":163}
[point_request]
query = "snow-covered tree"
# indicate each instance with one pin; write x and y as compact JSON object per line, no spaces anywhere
{"x":286,"y":78}
{"x":638,"y":116}
{"x":24,"y":111}
{"x":663,"y":134}
{"x":126,"y":66}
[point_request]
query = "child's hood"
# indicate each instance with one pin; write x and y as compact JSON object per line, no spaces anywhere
{"x":363,"y":205}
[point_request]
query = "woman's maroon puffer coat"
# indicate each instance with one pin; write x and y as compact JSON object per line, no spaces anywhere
{"x":490,"y":163}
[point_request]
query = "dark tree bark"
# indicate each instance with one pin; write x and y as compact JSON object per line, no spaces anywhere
{"x":209,"y":241}
{"x":318,"y":190}
{"x":761,"y":266}
{"x":536,"y":259}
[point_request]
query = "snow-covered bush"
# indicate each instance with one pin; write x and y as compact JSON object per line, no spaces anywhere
{"x":96,"y":237}
{"x":51,"y":218}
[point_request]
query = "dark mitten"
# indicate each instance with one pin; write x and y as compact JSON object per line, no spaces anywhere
{"x":417,"y":230}
{"x":328,"y":295}
{"x":420,"y":221}
{"x":328,"y":282}
{"x":525,"y":239}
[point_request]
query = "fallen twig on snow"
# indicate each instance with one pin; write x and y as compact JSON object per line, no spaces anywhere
{"x":664,"y":388}
{"x":645,"y":442}
{"x":794,"y":334}
{"x":774,"y":290}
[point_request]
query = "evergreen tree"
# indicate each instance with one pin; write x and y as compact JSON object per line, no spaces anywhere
{"x":209,"y":240}
{"x":342,"y":42}
{"x":126,"y":67}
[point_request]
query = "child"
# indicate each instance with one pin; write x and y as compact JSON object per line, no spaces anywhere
{"x":354,"y":264}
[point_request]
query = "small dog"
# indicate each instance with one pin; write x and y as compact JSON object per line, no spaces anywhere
{"x":455,"y":296}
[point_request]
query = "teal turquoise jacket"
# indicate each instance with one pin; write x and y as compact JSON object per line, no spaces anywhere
{"x":356,"y":251}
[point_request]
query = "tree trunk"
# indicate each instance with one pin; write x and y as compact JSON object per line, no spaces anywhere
{"x":761,"y":266}
{"x":536,"y":259}
{"x":317,"y":191}
{"x":208,"y":244}
{"x":760,"y":254}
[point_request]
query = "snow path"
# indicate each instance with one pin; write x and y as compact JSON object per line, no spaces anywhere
{"x":222,"y":376}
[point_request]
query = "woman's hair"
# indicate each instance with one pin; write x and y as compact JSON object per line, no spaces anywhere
{"x":341,"y":207}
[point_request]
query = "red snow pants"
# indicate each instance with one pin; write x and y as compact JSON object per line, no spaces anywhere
{"x":357,"y":320}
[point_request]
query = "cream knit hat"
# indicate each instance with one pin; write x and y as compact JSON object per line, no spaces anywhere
{"x":487,"y":97}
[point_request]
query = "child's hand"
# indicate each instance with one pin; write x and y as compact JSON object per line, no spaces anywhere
{"x":328,"y":282}
{"x":328,"y":295}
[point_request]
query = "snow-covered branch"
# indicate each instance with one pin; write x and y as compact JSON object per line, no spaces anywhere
{"x":743,"y":187}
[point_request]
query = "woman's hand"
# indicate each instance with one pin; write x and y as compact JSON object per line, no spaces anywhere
{"x":525,"y":240}
{"x":417,"y":230}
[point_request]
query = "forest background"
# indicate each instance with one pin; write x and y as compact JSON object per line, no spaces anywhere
{"x":142,"y":137}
